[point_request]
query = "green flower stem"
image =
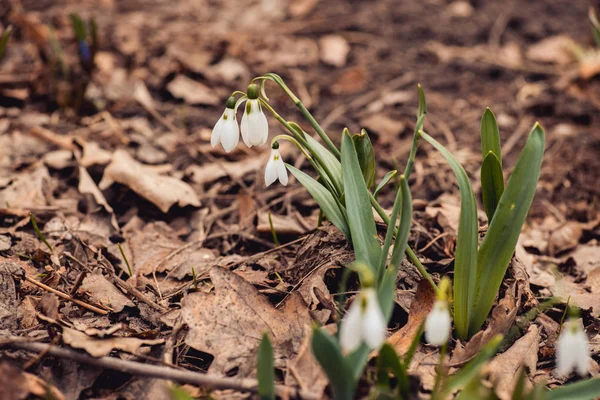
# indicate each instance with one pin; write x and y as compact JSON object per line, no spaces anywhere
{"x":300,"y":137}
{"x":409,"y":252}
{"x":295,"y":142}
{"x":440,"y":372}
{"x":277,"y":79}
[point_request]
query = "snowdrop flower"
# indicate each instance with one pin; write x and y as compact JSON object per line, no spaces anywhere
{"x":226,"y":130}
{"x":255,"y":128}
{"x":438,"y":324}
{"x":572,"y":350}
{"x":275,"y":167}
{"x":364,"y":322}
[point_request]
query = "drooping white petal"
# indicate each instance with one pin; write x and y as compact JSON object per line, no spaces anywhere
{"x":271,"y":168}
{"x":244,"y":127}
{"x":230,"y":132}
{"x":215,"y":137}
{"x":281,"y":171}
{"x":438,"y":324}
{"x":350,"y":328}
{"x":572,"y":350}
{"x":255,"y":128}
{"x":373,"y":322}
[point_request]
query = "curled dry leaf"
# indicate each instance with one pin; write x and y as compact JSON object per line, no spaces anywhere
{"x":26,"y":190}
{"x":565,"y":237}
{"x":162,"y":191}
{"x":18,"y":385}
{"x":102,"y":347}
{"x":105,"y":293}
{"x":334,"y":50}
{"x":555,"y":49}
{"x":192,"y":92}
{"x":88,"y":186}
{"x":230,"y":322}
{"x":419,"y":308}
{"x":504,"y":368}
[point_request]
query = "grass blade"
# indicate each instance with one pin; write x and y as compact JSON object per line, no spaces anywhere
{"x":360,"y":217}
{"x":4,"y":40}
{"x":386,"y":179}
{"x":265,"y":370}
{"x":492,"y":184}
{"x":324,"y":199}
{"x":499,"y":243}
{"x":465,"y":261}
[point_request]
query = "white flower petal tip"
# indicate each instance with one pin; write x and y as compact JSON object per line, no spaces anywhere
{"x":438,"y":324}
{"x":226,"y":131}
{"x":275,"y":169}
{"x":255,"y":128}
{"x":363,"y":323}
{"x":572,"y":350}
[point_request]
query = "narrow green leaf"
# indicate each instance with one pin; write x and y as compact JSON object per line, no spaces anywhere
{"x":388,"y":361}
{"x":265,"y":369}
{"x":79,"y":30}
{"x":582,"y":390}
{"x":492,"y":184}
{"x":422,"y":102}
{"x":490,"y":136}
{"x":414,"y":146}
{"x":329,"y":355}
{"x":179,"y":393}
{"x":4,"y":40}
{"x":595,"y":25}
{"x":366,"y":156}
{"x":358,"y":204}
{"x":386,"y":179}
{"x":39,"y":233}
{"x":472,"y":369}
{"x":391,"y":230}
{"x":465,"y":261}
{"x":503,"y":232}
{"x":405,"y":223}
{"x":324,"y":199}
{"x":327,"y":160}
{"x":357,"y":361}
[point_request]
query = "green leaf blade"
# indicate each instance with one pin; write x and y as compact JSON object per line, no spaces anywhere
{"x":324,"y":199}
{"x":465,"y":261}
{"x":490,"y":136}
{"x":386,"y":179}
{"x":4,"y":40}
{"x":366,"y":156}
{"x":329,"y":355}
{"x":492,"y":184}
{"x":498,"y":246}
{"x":265,"y":370}
{"x":360,"y":218}
{"x":327,"y":159}
{"x":582,"y":390}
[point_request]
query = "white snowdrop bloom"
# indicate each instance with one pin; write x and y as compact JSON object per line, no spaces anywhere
{"x":364,"y":322}
{"x":572,"y":350}
{"x":275,"y":168}
{"x":438,"y":324}
{"x":226,"y":130}
{"x":255,"y":128}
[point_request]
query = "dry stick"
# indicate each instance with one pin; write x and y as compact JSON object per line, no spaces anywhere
{"x":160,"y":372}
{"x":65,"y":296}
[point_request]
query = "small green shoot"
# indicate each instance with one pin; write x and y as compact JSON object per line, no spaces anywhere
{"x":39,"y":233}
{"x":265,"y":369}
{"x":125,"y":259}
{"x":4,"y":40}
{"x":273,"y":233}
{"x":195,"y":279}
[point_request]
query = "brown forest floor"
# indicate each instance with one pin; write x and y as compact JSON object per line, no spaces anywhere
{"x":138,"y":146}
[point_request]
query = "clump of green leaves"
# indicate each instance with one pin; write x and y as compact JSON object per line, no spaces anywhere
{"x":479,"y":268}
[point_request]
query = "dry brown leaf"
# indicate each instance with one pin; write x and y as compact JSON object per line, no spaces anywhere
{"x":555,"y":49}
{"x":420,"y":307}
{"x":210,"y":172}
{"x":565,"y":237}
{"x":192,"y":92}
{"x":8,"y":294}
{"x":503,"y":317}
{"x":584,"y":295}
{"x":385,"y":127}
{"x":102,"y":347}
{"x":26,"y":189}
{"x":162,"y":191}
{"x":93,"y":154}
{"x":229,"y":323}
{"x":87,"y":185}
{"x":105,"y":293}
{"x":282,"y":224}
{"x":504,"y":368}
{"x":333,"y":50}
{"x":352,"y":80}
{"x":18,"y":385}
{"x":590,"y":65}
{"x":300,"y":8}
{"x":190,"y":57}
{"x":305,"y":371}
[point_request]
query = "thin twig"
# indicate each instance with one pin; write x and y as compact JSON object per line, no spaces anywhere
{"x":65,"y":296}
{"x":160,"y":372}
